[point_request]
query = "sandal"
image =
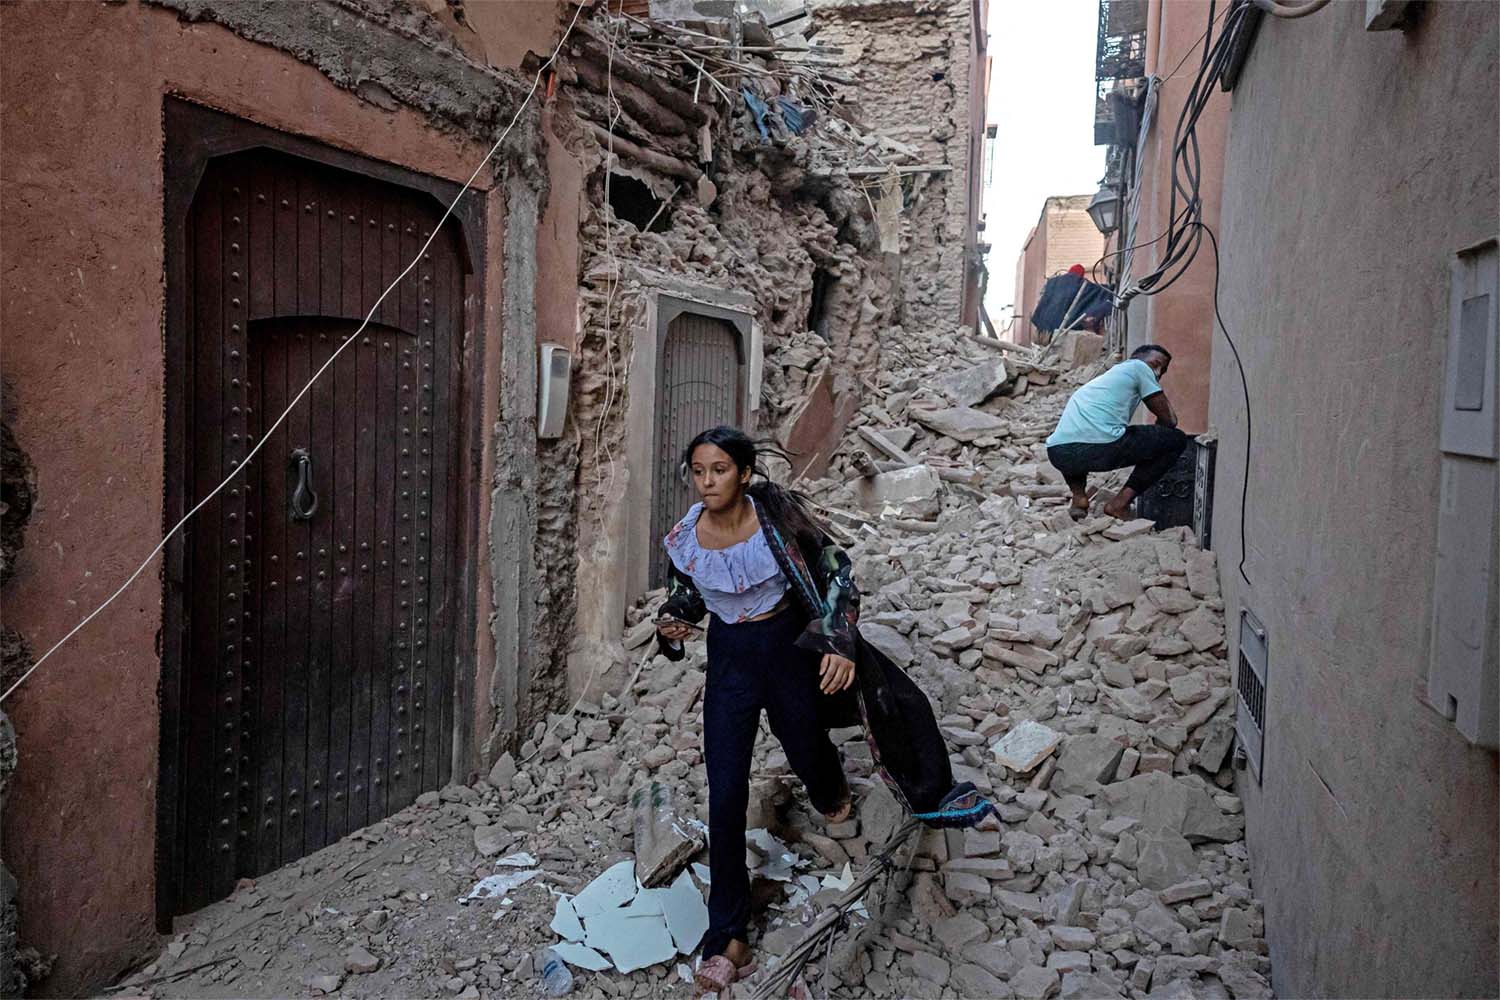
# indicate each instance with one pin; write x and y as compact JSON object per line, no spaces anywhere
{"x":716,"y":974}
{"x":845,"y":806}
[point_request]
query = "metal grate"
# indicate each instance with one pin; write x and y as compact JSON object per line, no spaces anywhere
{"x":1119,"y":55}
{"x":1250,"y":687}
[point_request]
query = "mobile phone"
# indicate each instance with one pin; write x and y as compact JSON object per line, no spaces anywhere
{"x":669,"y":620}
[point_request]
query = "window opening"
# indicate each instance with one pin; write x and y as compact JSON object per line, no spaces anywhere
{"x":634,"y":202}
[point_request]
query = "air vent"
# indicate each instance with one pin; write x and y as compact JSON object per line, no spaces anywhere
{"x":1250,"y":684}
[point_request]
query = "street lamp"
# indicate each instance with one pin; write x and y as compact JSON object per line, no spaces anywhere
{"x":1104,"y":209}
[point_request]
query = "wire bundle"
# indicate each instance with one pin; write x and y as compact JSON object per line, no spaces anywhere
{"x":1185,"y":226}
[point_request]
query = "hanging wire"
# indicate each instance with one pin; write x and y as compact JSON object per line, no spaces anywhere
{"x":353,"y":339}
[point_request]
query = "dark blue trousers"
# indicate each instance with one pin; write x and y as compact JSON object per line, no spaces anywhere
{"x":1150,"y":448}
{"x":754,"y":666}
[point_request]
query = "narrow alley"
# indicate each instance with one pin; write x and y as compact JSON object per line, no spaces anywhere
{"x":1079,"y":674}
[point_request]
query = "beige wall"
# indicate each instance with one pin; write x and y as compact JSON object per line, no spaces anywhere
{"x":1357,"y":164}
{"x":896,"y":50}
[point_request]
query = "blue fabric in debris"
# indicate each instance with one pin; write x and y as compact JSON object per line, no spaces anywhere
{"x":1057,"y":295}
{"x":797,"y":118}
{"x":758,"y":109}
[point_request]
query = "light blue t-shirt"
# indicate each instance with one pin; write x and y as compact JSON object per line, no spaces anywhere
{"x":1101,"y":408}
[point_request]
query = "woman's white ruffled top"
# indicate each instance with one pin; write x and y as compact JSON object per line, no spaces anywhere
{"x":737,"y":583}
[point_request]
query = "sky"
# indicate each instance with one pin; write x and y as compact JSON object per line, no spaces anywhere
{"x":1042,"y":99}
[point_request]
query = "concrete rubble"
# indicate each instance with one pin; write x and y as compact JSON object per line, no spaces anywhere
{"x":1076,"y":669}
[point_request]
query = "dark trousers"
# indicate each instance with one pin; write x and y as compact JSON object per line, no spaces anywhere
{"x":751,"y":666}
{"x":1151,"y":448}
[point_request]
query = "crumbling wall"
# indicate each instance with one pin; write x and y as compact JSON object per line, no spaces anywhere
{"x":912,"y":62}
{"x":760,"y":218}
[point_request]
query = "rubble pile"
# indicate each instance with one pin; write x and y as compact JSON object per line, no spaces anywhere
{"x":1076,"y":669}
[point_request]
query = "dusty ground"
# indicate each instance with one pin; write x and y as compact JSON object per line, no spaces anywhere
{"x":1120,"y":869}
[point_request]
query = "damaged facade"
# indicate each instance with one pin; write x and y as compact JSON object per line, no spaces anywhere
{"x":924,"y":73}
{"x":707,"y":201}
{"x":777,"y":230}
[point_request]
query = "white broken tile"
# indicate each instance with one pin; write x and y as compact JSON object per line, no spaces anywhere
{"x":1026,"y":746}
{"x":840,"y":882}
{"x":630,"y":942}
{"x":613,"y":888}
{"x":518,"y":860}
{"x":647,"y":903}
{"x":581,"y":956}
{"x":701,"y":871}
{"x":565,"y":923}
{"x":685,"y":913}
{"x":780,"y":860}
{"x":499,"y":885}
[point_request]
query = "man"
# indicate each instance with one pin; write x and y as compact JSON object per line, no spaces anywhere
{"x":1095,"y":433}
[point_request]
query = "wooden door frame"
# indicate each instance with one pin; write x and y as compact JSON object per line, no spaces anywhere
{"x":195,"y":135}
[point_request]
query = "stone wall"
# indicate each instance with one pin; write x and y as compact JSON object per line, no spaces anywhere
{"x":913,"y":61}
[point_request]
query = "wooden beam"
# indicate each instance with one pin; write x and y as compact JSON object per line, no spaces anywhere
{"x":668,"y":165}
{"x":879,"y":441}
{"x":645,"y":107}
{"x":918,"y":168}
{"x":597,"y":50}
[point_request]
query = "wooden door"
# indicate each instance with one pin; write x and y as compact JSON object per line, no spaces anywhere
{"x":317,"y":675}
{"x":698,"y":387}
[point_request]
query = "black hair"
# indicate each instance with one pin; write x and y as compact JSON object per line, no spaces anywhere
{"x":1145,"y":349}
{"x":786,"y":507}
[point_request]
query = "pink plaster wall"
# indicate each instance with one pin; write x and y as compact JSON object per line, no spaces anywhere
{"x":81,"y":269}
{"x":1180,"y":318}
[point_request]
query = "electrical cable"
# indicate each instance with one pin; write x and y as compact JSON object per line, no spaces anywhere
{"x":1280,"y":8}
{"x":1245,"y":388}
{"x":353,"y":339}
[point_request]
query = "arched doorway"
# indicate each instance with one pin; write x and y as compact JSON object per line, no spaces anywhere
{"x":700,"y":385}
{"x":313,"y":607}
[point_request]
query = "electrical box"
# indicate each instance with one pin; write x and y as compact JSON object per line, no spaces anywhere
{"x":1463,"y":673}
{"x":1250,"y":690}
{"x":552,"y":398}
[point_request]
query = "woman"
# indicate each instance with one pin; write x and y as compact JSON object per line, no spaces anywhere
{"x":740,"y":554}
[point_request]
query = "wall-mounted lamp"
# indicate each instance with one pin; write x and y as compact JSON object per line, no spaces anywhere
{"x":1104,"y":209}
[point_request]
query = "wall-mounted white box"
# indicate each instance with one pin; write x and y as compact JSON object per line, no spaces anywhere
{"x":1463,"y":673}
{"x":552,"y":396}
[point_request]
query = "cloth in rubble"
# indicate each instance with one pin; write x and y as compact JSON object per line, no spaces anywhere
{"x":758,"y":110}
{"x":907,"y":747}
{"x":797,"y":118}
{"x":1052,"y":310}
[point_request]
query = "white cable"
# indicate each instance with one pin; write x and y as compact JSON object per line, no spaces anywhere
{"x":316,"y":375}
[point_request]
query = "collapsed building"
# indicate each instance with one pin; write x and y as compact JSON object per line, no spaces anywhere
{"x":685,"y":221}
{"x":760,"y":217}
